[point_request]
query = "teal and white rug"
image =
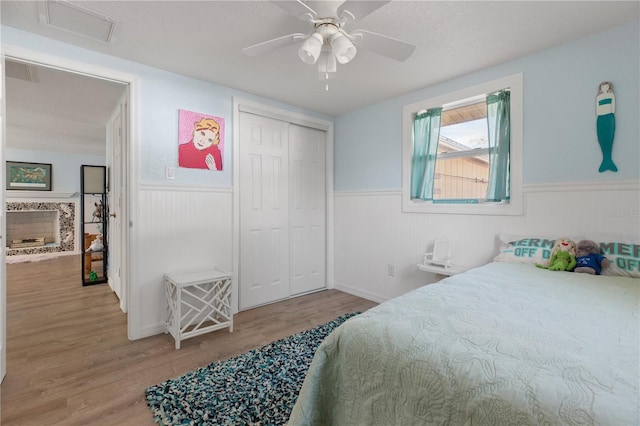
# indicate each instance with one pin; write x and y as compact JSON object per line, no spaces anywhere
{"x":259,"y":387}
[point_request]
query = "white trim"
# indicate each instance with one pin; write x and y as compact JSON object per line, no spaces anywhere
{"x":235,"y":213}
{"x":282,"y":114}
{"x":329,"y":219}
{"x":177,"y":188}
{"x":515,"y":205}
{"x":244,"y":105}
{"x":3,"y":228}
{"x":152,"y":330}
{"x":587,"y":186}
{"x":39,"y":194}
{"x":46,"y":60}
{"x":134,"y":295}
{"x":360,"y":293}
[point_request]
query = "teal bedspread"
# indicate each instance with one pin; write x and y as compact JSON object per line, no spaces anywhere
{"x":501,"y":344}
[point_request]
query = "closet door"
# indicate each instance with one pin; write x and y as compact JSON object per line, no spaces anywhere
{"x":264,"y":211}
{"x":307,"y":208}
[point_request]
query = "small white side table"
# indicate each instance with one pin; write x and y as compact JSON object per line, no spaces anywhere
{"x":441,"y":270}
{"x":198,"y":302}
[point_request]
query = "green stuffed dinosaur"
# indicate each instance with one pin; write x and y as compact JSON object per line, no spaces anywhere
{"x":563,"y":256}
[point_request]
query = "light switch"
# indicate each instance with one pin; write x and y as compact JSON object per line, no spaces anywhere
{"x":170,"y":172}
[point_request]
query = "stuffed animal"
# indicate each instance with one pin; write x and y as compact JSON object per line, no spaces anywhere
{"x":563,"y":256}
{"x":96,"y":245}
{"x":97,"y":213}
{"x":589,"y":260}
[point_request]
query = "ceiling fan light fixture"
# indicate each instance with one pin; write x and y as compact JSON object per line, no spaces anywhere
{"x":310,"y":49}
{"x":327,"y":61}
{"x":343,"y":48}
{"x":328,"y":44}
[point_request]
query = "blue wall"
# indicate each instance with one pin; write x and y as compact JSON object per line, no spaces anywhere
{"x":560,"y":142}
{"x":560,"y":86}
{"x":161,"y":95}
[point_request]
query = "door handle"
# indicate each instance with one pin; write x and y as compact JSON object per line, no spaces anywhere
{"x":112,"y":214}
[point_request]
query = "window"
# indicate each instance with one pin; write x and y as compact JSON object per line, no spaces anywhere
{"x":462,"y":152}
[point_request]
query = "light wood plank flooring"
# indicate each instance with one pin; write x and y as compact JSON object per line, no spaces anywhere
{"x":69,"y":360}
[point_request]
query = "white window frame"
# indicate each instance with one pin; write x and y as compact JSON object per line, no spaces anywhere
{"x":515,"y":205}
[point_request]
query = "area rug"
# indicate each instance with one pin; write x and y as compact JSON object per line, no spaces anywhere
{"x":259,"y":387}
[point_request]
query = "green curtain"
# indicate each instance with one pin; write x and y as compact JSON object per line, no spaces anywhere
{"x":498,"y":116}
{"x":426,"y":132}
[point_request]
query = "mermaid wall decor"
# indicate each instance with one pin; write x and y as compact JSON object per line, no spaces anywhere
{"x":606,"y":124}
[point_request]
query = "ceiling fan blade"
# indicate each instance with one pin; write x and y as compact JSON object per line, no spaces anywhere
{"x":359,"y":9}
{"x":383,"y":45}
{"x":271,"y":45}
{"x":296,"y":8}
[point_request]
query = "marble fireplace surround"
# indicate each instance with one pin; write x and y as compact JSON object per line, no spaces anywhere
{"x":66,"y":226}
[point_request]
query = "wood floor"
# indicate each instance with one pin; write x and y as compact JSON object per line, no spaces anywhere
{"x":69,"y":360}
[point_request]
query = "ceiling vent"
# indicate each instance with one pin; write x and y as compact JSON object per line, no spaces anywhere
{"x":20,"y":70}
{"x":77,"y":20}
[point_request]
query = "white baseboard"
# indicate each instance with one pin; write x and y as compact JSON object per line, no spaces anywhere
{"x":360,"y":293}
{"x":150,"y":330}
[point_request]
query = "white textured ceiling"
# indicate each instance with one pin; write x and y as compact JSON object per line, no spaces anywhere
{"x":204,"y":40}
{"x":59,"y":111}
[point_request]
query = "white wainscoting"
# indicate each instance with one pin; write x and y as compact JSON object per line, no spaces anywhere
{"x":371,"y":231}
{"x":182,"y":228}
{"x":176,"y":229}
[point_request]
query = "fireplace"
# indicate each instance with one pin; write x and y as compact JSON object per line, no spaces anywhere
{"x":35,"y":228}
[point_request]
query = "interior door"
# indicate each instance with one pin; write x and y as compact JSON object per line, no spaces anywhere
{"x":114,"y":196}
{"x":264,"y":203}
{"x":307,"y":195}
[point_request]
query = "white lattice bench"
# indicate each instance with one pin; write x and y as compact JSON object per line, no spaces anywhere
{"x":198,"y":301}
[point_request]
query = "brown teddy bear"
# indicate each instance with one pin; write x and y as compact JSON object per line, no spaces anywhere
{"x":589,"y":259}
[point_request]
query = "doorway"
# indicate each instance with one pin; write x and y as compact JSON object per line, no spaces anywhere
{"x":119,"y":169}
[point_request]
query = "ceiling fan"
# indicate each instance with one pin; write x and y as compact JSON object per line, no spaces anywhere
{"x":328,"y":42}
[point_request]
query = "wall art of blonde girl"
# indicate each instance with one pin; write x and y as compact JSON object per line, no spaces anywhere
{"x":200,"y":140}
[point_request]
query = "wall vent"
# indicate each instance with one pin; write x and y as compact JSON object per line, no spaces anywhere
{"x":20,"y":70}
{"x":77,"y":20}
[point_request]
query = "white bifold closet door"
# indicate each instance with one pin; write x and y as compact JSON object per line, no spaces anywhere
{"x":282,"y":210}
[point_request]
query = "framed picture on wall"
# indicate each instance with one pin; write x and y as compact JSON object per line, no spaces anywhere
{"x":28,"y":176}
{"x":200,"y":140}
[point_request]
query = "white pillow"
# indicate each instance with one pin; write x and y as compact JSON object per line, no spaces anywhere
{"x":624,"y":258}
{"x":522,"y":249}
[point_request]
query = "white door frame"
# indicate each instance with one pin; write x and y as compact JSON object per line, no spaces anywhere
{"x":244,"y":105}
{"x":3,"y":228}
{"x":130,"y":146}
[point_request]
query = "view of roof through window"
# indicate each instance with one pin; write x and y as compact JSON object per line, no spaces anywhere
{"x":461,"y":171}
{"x":468,"y":134}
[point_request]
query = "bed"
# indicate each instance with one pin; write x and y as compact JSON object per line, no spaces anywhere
{"x":505,"y":343}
